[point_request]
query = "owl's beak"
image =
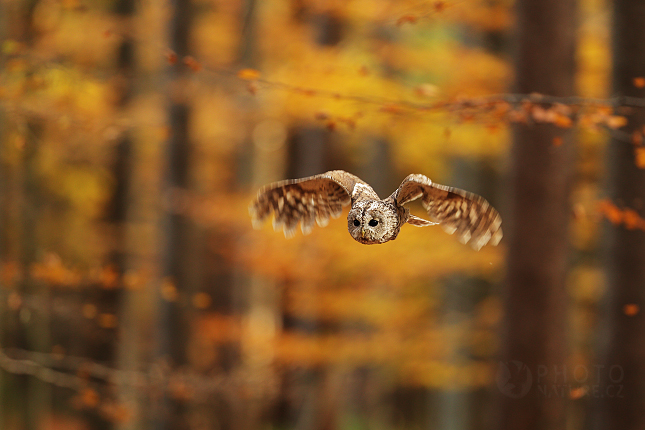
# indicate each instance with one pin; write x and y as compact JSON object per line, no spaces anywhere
{"x":362,"y":233}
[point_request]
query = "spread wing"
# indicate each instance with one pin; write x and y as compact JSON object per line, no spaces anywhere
{"x":469,"y":215}
{"x":306,"y":201}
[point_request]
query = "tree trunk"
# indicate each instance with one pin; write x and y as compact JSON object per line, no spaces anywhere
{"x":621,"y":396}
{"x":34,"y":326}
{"x":34,"y":330}
{"x":174,"y":310}
{"x":537,"y":228}
{"x":127,"y":352}
{"x":4,"y":227}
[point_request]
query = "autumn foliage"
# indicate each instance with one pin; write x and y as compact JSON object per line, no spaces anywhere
{"x":272,"y":90}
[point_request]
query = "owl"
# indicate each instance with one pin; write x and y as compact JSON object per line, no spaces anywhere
{"x":372,"y":220}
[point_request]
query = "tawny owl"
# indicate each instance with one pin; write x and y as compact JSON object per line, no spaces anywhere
{"x":372,"y":220}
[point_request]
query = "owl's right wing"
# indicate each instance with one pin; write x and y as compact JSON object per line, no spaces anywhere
{"x":307,"y":200}
{"x":457,"y":211}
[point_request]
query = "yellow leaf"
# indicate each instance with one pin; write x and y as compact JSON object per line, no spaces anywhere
{"x":616,"y":121}
{"x":248,"y":74}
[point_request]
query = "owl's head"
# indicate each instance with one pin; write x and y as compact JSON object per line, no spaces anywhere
{"x":373,"y":221}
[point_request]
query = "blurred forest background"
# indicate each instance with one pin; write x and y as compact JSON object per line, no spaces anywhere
{"x":134,"y":293}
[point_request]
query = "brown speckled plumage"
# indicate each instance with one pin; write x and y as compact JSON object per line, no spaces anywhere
{"x":372,"y":220}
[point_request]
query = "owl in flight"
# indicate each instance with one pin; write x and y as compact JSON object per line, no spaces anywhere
{"x":372,"y":220}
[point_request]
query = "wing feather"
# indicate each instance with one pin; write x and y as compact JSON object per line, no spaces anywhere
{"x":468,"y":215}
{"x":308,"y":201}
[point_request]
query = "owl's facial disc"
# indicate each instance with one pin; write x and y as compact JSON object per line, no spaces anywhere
{"x":372,"y":222}
{"x":354,"y":223}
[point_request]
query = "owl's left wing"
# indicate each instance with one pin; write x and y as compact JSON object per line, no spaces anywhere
{"x":306,"y":201}
{"x":469,"y":215}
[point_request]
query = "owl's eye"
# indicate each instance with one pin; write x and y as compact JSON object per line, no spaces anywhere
{"x":357,"y":222}
{"x":373,"y":223}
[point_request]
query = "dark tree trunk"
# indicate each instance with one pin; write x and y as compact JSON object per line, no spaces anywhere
{"x":126,"y":352}
{"x":33,"y":327}
{"x":4,"y":226}
{"x":622,"y":375}
{"x":535,"y":330}
{"x":34,"y":333}
{"x":174,"y":312}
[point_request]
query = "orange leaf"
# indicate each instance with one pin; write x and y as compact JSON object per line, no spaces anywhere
{"x":252,"y":87}
{"x":611,"y":212}
{"x":631,"y":219}
{"x":637,"y":138}
{"x":308,"y":92}
{"x":578,"y":392}
{"x":563,"y":121}
{"x":248,"y":74}
{"x":616,"y":121}
{"x":392,"y":108}
{"x":406,"y":19}
{"x":631,"y":309}
{"x":539,"y":114}
{"x":639,"y":157}
{"x":557,"y":141}
{"x":107,"y":320}
{"x":518,"y":116}
{"x":321,"y":115}
{"x":89,"y":398}
{"x":492,"y":128}
{"x":467,"y":117}
{"x":192,"y":63}
{"x":202,"y":300}
{"x":171,"y":57}
{"x":116,"y":413}
{"x":639,"y":82}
